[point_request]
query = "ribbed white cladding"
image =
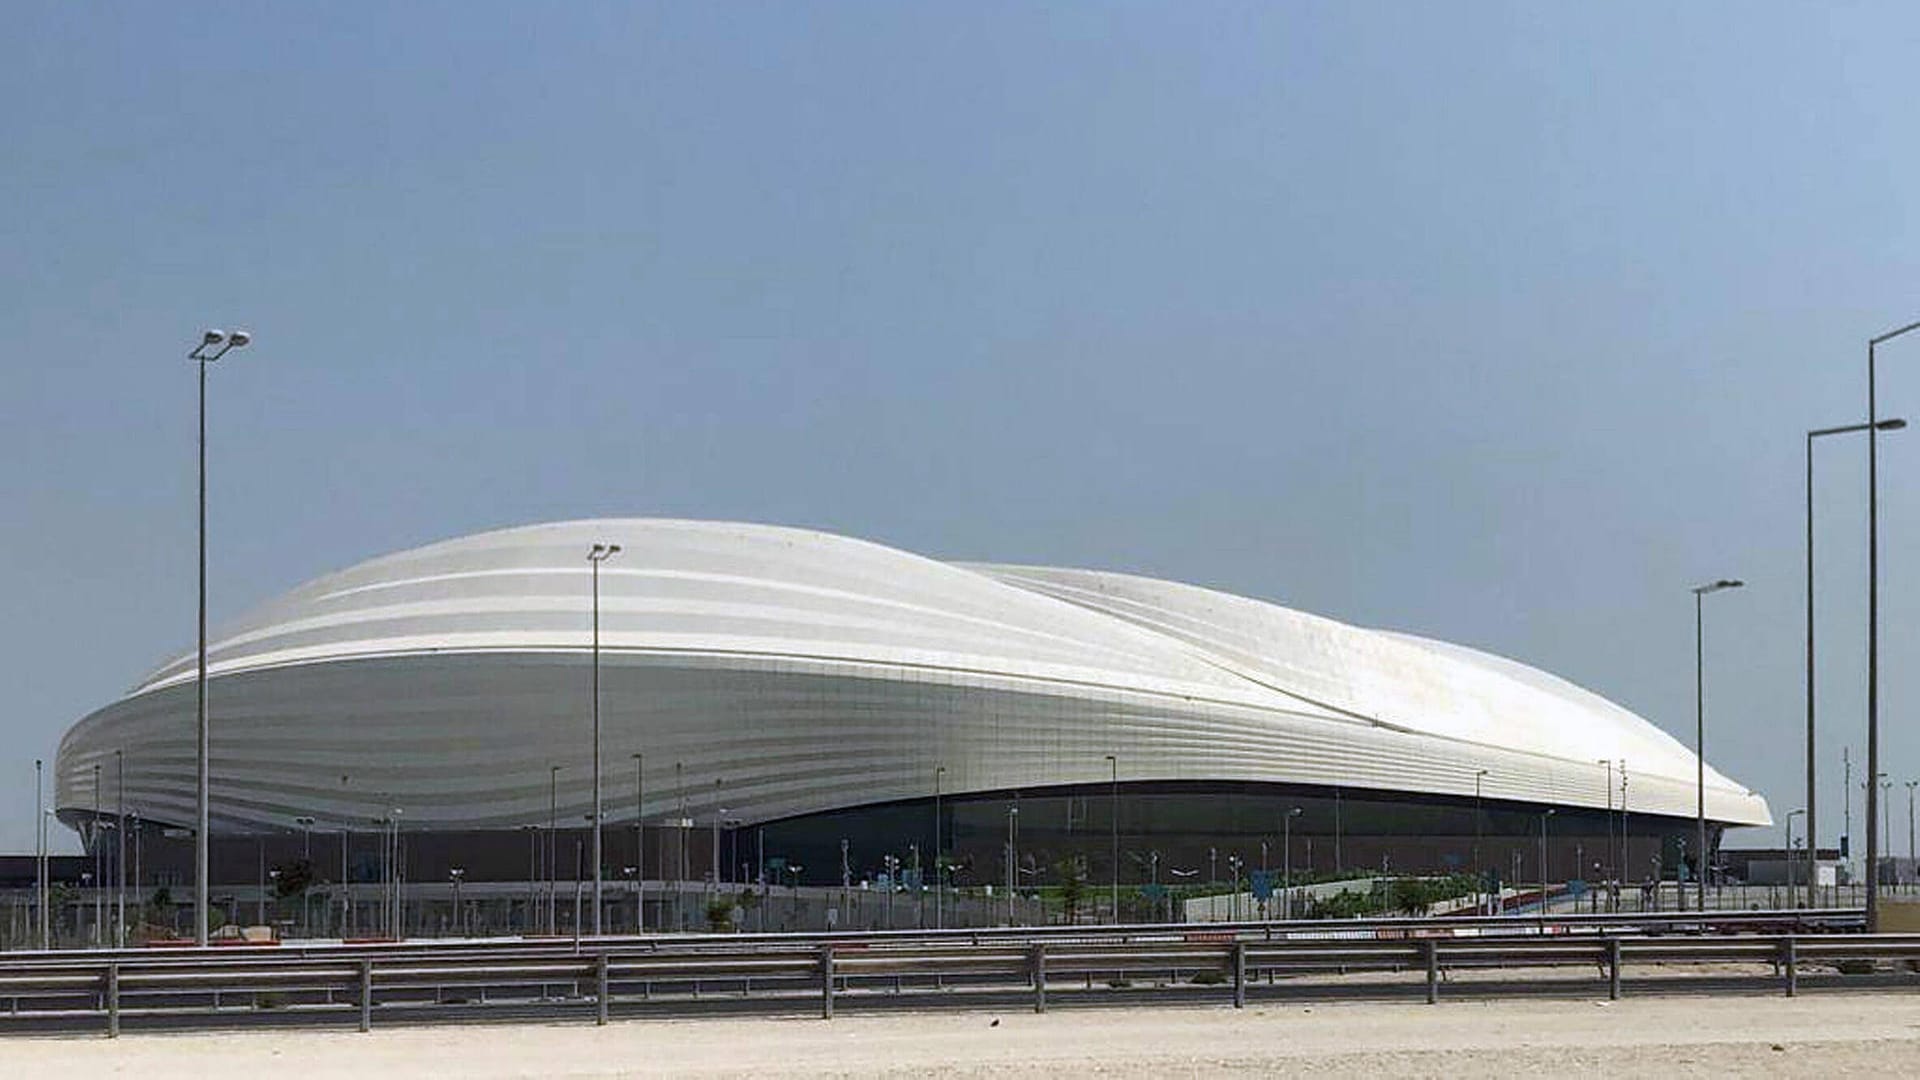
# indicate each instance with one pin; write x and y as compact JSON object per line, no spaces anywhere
{"x":807,"y":672}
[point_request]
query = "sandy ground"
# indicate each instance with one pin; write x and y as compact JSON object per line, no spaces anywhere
{"x":1824,"y":1034}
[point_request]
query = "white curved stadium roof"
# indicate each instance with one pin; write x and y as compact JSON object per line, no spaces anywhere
{"x":787,"y":672}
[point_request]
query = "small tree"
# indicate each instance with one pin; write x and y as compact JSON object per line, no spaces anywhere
{"x":1073,"y":884}
{"x":294,"y":879}
{"x":720,"y":914}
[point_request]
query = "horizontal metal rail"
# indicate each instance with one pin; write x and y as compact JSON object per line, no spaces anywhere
{"x":1775,"y":922}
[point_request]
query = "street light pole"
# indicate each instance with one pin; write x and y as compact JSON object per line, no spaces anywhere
{"x":1013,"y":817}
{"x":939,"y":847}
{"x":553,"y":825}
{"x":1286,"y":863}
{"x":214,"y":344}
{"x":599,"y":554}
{"x":1608,"y":762}
{"x":306,"y":856}
{"x":1337,"y":865}
{"x":40,"y":852}
{"x":640,"y":844}
{"x":99,"y":880}
{"x":1700,"y":731}
{"x":718,"y":813}
{"x":1791,"y":814}
{"x":1911,"y":784}
{"x":1886,"y":823}
{"x":1873,"y":625}
{"x":120,"y":858}
{"x":346,"y":881}
{"x":1543,"y":864}
{"x":398,"y":880}
{"x":1113,"y":813}
{"x":1625,"y":851}
{"x":1479,"y":818}
{"x":1813,"y":817}
{"x":459,"y":920}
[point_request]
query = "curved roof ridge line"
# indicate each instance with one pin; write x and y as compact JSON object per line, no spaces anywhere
{"x":1191,"y":648}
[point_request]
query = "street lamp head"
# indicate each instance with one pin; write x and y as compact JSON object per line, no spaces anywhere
{"x":1723,"y":583}
{"x":1894,"y":424}
{"x":211,"y":338}
{"x":239,"y":339}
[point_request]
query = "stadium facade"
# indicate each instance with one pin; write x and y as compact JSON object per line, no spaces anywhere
{"x":776,"y":697}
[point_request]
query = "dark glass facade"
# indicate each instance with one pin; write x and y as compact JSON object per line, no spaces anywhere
{"x":1177,"y":833}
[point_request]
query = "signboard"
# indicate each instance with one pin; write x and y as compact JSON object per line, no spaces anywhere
{"x":1576,"y":888}
{"x":1155,"y":892}
{"x":1262,"y":884}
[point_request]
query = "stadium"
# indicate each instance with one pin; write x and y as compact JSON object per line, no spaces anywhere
{"x":788,"y":706}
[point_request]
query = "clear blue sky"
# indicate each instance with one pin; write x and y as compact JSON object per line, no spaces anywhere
{"x":1499,"y":323}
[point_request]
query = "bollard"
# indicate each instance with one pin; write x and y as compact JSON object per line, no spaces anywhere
{"x":366,"y":995}
{"x":1239,"y":974}
{"x":1791,"y":948}
{"x":113,"y":1001}
{"x":1430,"y":949}
{"x":600,"y":990}
{"x":1039,"y":964}
{"x":1613,"y":969}
{"x":826,"y":982}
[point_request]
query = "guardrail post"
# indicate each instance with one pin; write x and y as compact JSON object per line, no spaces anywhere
{"x":1613,"y":969}
{"x":1430,"y":951}
{"x":1039,"y":963}
{"x":113,"y":1001}
{"x":366,"y":995}
{"x":826,"y":982}
{"x":600,"y":990}
{"x":1791,"y":961}
{"x":1239,"y":974}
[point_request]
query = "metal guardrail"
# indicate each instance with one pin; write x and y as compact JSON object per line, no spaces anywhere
{"x":1778,"y":921}
{"x":205,"y":986}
